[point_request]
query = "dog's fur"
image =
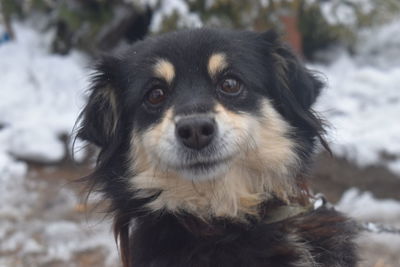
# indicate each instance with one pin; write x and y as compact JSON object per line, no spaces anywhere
{"x":180,"y":206}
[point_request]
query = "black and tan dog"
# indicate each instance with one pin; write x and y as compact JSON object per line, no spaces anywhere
{"x":206,"y":136}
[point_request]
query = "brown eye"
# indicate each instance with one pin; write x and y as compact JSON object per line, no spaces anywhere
{"x":230,"y":86}
{"x":156,"y":96}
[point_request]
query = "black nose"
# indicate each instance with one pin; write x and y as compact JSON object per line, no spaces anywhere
{"x":195,"y":133}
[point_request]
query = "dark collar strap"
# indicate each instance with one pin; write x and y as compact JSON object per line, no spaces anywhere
{"x":284,"y":212}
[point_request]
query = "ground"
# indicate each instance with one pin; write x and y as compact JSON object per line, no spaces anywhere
{"x":333,"y":176}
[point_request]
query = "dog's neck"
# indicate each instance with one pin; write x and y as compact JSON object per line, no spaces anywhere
{"x":233,"y":196}
{"x":273,"y":211}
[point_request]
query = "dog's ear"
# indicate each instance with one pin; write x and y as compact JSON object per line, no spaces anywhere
{"x":296,"y":88}
{"x":99,"y":118}
{"x":292,"y":75}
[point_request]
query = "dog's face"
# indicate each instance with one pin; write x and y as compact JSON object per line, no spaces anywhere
{"x":209,"y":122}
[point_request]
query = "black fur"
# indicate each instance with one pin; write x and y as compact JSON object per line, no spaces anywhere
{"x":161,"y":239}
{"x":319,"y":238}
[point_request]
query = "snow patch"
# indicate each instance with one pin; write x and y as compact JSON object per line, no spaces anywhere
{"x":366,"y":208}
{"x":40,"y":97}
{"x":344,"y":13}
{"x":380,"y":46}
{"x":48,"y":237}
{"x":362,"y":101}
{"x":36,"y":143}
{"x":186,"y":19}
{"x":374,"y":213}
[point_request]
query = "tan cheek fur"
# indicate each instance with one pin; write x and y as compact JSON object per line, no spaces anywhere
{"x":262,"y":169}
{"x":141,"y":158}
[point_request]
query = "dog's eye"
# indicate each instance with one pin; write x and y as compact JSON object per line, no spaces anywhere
{"x":230,"y":86}
{"x":156,"y":96}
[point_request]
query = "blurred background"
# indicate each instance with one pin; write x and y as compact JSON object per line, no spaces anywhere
{"x":48,"y":46}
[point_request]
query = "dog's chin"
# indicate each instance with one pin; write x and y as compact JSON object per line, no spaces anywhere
{"x":203,"y":171}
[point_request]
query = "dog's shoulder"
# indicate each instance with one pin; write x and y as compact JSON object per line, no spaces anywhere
{"x":328,"y":236}
{"x":323,"y":237}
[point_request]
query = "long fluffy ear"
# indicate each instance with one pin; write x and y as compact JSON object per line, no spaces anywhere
{"x":297,"y":87}
{"x":99,"y":118}
{"x":292,"y":74}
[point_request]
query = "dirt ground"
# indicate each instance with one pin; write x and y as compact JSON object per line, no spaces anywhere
{"x":331,"y":176}
{"x":53,"y":206}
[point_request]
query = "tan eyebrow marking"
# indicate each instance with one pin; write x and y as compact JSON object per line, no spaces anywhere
{"x":165,"y":70}
{"x":216,"y":63}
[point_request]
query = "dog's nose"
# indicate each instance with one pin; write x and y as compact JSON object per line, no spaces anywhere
{"x":197,"y":132}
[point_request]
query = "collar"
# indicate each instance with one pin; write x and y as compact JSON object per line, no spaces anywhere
{"x":284,"y":212}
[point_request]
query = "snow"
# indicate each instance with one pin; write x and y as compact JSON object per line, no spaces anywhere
{"x":36,"y":223}
{"x":344,"y":12}
{"x":11,"y":180}
{"x":362,"y":101}
{"x":364,"y":207}
{"x":40,"y":96}
{"x":186,"y":18}
{"x":52,"y":239}
{"x":380,"y":46}
{"x":377,"y":213}
{"x":46,"y":148}
{"x":64,"y":238}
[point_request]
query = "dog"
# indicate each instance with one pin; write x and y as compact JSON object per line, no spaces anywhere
{"x":206,"y":137}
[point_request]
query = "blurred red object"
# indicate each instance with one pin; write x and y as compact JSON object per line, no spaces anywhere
{"x":293,"y":35}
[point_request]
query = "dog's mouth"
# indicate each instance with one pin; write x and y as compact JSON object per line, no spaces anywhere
{"x":204,"y":170}
{"x":205,"y":165}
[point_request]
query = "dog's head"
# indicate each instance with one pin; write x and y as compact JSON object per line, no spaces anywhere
{"x":207,"y":122}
